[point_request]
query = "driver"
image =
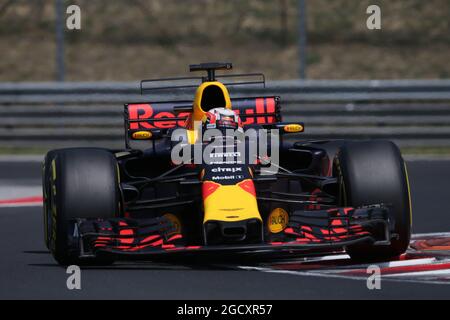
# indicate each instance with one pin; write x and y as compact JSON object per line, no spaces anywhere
{"x":222,"y":119}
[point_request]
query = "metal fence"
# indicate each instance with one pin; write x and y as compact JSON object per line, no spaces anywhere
{"x":50,"y":115}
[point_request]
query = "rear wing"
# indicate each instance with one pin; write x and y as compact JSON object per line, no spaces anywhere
{"x":156,"y":117}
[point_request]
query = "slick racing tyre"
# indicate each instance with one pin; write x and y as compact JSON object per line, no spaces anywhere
{"x":374,"y":172}
{"x":77,"y":183}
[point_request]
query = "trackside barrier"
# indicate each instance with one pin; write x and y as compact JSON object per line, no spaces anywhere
{"x":413,"y":113}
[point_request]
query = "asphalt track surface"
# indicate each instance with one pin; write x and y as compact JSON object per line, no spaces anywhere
{"x":28,"y":271}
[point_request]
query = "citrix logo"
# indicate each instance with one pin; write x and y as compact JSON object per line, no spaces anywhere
{"x":221,"y":170}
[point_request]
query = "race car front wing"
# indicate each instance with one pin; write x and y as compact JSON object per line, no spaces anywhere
{"x":307,"y":231}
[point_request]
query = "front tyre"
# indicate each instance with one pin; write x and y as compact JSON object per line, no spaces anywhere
{"x":78,"y":183}
{"x":374,"y":172}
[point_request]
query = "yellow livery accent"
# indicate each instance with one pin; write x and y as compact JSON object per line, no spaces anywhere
{"x":198,"y":113}
{"x":192,"y":135}
{"x":142,"y":135}
{"x":176,"y":223}
{"x":278,"y":220}
{"x":292,"y":128}
{"x":230,"y":203}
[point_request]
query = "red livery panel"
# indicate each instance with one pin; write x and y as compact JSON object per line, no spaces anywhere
{"x":162,"y":115}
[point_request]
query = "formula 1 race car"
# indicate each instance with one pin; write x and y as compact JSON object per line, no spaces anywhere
{"x":227,"y":176}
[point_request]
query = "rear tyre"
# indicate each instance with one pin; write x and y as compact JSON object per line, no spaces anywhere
{"x":373,"y":172}
{"x":78,"y":183}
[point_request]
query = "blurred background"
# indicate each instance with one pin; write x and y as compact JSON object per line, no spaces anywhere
{"x":318,"y":55}
{"x":133,"y":39}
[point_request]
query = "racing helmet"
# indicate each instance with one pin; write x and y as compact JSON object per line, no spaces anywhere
{"x":222,"y":118}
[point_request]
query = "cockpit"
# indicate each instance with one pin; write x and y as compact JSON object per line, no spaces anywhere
{"x":213,"y":97}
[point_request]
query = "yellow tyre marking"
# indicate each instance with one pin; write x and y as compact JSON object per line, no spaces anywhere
{"x":44,"y":192}
{"x":54,"y":169}
{"x":409,"y":194}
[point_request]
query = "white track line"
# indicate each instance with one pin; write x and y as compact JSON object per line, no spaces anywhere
{"x":336,"y":257}
{"x":417,"y":236}
{"x":22,"y":158}
{"x":336,"y":276}
{"x":445,"y":272}
{"x":341,"y":272}
{"x":21,"y":205}
{"x":382,"y":265}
